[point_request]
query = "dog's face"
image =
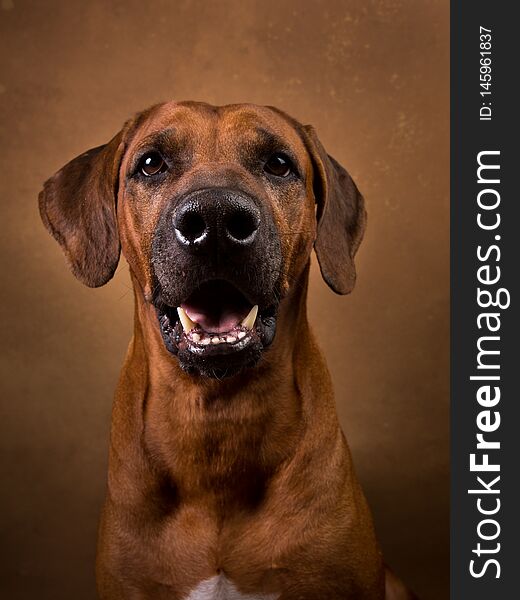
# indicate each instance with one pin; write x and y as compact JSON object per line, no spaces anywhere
{"x":216,"y":210}
{"x":215,"y":213}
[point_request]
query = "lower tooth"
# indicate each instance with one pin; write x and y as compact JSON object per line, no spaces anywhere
{"x":230,"y":339}
{"x":241,"y":334}
{"x":195,"y":337}
{"x":215,"y":340}
{"x":205,"y":341}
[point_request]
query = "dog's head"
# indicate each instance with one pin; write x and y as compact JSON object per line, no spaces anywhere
{"x":217,"y":210}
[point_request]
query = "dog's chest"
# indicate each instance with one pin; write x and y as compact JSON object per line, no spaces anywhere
{"x":220,"y":587}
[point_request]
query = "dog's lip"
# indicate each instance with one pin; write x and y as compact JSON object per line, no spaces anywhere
{"x":202,"y":343}
{"x":199,"y":342}
{"x":216,"y":318}
{"x":208,"y":354}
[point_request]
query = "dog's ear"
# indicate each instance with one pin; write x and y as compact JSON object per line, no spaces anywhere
{"x":341,"y":217}
{"x":78,"y":207}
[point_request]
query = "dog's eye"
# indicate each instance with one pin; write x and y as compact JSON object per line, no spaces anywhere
{"x":151,"y":164}
{"x":278,"y":165}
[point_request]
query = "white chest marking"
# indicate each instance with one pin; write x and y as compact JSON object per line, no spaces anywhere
{"x":220,"y":588}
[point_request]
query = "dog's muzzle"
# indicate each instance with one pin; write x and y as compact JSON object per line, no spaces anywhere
{"x":216,"y":257}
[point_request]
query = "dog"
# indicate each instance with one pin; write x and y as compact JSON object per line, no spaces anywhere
{"x":229,"y":475}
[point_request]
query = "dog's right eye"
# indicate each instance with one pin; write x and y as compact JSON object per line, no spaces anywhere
{"x":151,"y":164}
{"x":279,"y":165}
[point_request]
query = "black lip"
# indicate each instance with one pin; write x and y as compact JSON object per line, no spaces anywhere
{"x":216,"y":360}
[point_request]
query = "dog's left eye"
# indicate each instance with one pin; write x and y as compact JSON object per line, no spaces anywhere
{"x":151,"y":164}
{"x":278,"y":165}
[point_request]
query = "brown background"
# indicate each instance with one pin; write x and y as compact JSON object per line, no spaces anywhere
{"x":372,"y":76}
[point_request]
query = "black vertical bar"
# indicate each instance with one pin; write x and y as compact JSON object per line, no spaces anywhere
{"x":470,"y":135}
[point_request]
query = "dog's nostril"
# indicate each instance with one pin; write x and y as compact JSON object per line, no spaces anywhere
{"x":241,"y":225}
{"x":191,"y":225}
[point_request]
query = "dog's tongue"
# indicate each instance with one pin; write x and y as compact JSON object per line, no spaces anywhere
{"x":216,"y":307}
{"x":214,"y":321}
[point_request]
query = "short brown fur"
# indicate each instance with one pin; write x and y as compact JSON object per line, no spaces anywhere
{"x":248,"y":476}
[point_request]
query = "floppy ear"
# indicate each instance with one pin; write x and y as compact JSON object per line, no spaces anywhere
{"x":78,"y":207}
{"x":341,"y":217}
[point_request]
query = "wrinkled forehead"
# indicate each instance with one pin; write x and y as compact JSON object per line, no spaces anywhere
{"x":215,"y":132}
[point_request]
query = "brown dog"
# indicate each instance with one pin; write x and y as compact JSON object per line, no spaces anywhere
{"x":229,"y":475}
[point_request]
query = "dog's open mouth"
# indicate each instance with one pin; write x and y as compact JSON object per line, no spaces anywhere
{"x":214,"y":322}
{"x":218,"y":315}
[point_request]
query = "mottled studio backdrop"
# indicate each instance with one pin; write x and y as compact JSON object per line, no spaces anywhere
{"x":372,"y":76}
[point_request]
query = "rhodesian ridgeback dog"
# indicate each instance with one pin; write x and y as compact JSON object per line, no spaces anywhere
{"x":229,"y":475}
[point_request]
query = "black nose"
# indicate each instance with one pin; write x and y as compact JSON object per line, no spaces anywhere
{"x":213,"y":218}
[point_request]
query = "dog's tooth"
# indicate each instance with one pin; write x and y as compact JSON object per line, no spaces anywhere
{"x":241,"y":335}
{"x":205,"y":341}
{"x":187,"y":323}
{"x":230,"y":339}
{"x":195,"y":337}
{"x":249,"y":321}
{"x":215,"y":340}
